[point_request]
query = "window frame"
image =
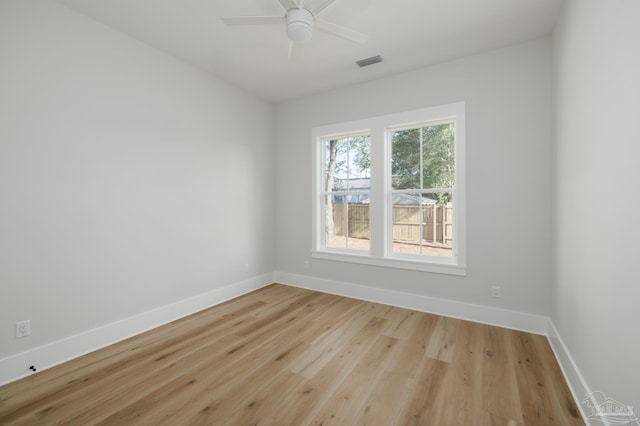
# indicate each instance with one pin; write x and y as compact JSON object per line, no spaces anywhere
{"x":381,"y":226}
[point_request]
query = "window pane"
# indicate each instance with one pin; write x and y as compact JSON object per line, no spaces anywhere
{"x":423,"y":224}
{"x":438,"y":156}
{"x":423,"y":158}
{"x":347,"y":164}
{"x":346,"y":222}
{"x":405,"y":159}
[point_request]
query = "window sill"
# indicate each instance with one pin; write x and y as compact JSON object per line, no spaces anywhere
{"x":438,"y":268}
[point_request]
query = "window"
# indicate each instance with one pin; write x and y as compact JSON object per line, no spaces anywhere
{"x":390,"y":190}
{"x":422,"y":186}
{"x":347,"y":187}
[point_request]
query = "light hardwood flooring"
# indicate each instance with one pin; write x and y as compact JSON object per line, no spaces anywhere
{"x":287,"y":356}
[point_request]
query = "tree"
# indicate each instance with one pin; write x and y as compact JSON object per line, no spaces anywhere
{"x":329,"y":182}
{"x":360,"y":146}
{"x":423,"y":158}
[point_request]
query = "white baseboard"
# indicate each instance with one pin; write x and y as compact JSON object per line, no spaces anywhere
{"x":46,"y":356}
{"x":578,"y":386}
{"x":531,"y":323}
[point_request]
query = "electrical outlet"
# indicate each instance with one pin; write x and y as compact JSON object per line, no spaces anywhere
{"x":496,"y":291}
{"x":306,"y":264}
{"x":23,"y":329}
{"x":246,"y":268}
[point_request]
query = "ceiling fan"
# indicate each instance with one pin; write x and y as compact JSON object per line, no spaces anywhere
{"x":300,"y":19}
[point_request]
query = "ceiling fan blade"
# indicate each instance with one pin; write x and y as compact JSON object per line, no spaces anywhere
{"x":339,"y":31}
{"x":289,"y":4}
{"x":255,"y":20}
{"x":319,"y":5}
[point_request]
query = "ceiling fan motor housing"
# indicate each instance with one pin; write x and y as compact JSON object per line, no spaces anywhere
{"x":299,"y":25}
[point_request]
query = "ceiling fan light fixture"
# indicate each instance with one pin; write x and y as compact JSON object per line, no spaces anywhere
{"x":299,"y":25}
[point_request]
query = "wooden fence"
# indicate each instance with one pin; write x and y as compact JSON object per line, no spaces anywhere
{"x":436,"y":221}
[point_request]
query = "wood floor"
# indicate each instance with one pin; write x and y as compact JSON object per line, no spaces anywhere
{"x":287,"y":356}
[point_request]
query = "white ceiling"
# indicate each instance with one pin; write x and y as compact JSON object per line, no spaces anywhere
{"x":408,"y":34}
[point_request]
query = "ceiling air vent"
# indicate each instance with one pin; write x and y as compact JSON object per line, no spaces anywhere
{"x":369,"y":61}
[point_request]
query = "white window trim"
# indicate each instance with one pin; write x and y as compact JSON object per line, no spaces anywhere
{"x":378,"y":128}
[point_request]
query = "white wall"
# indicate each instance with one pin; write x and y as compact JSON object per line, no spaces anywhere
{"x":508,"y":100}
{"x":596,"y":203}
{"x":128,"y":180}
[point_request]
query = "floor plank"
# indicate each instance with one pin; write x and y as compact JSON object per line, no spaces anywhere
{"x":289,"y":356}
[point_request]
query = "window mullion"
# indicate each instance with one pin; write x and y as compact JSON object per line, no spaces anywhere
{"x":421,"y":171}
{"x":377,"y":205}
